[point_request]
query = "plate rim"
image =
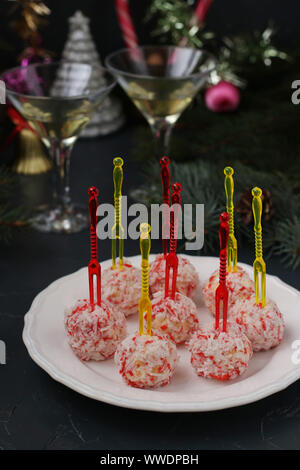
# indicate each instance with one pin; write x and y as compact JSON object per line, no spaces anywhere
{"x":148,"y":405}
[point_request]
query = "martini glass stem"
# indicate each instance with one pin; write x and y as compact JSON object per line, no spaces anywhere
{"x":61,"y":153}
{"x":161,"y":130}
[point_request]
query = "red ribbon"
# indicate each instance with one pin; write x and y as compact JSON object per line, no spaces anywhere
{"x":201,"y":10}
{"x":126,"y":23}
{"x":20,"y":123}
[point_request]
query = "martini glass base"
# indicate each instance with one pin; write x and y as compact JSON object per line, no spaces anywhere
{"x":59,"y":219}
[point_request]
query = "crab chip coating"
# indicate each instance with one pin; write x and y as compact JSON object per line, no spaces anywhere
{"x":94,"y":334}
{"x":238,"y":283}
{"x":219,"y":355}
{"x":187,"y":277}
{"x":146,"y":361}
{"x":175,"y":317}
{"x":121,"y":288}
{"x":264,"y":326}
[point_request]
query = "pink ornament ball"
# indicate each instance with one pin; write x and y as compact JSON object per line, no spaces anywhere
{"x":222,"y":97}
{"x":94,"y":334}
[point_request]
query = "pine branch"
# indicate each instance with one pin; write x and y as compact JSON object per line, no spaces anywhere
{"x":287,"y":237}
{"x":11,"y":218}
{"x":203,"y":182}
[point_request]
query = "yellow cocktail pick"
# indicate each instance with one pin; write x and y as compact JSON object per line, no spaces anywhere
{"x":145,"y":305}
{"x":117,"y":229}
{"x":259,"y":266}
{"x":232,"y":243}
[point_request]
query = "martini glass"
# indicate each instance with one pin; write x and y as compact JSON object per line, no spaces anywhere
{"x":161,"y":81}
{"x":58,"y":100}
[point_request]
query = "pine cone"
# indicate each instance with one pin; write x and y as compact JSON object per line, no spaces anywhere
{"x":244,"y":206}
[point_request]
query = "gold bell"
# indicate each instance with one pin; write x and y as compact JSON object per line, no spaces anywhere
{"x":31,"y":158}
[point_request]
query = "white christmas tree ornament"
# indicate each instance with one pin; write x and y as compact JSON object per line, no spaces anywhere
{"x":80,"y":48}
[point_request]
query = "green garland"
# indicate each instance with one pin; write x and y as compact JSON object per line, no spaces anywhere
{"x":173,"y":19}
{"x":233,"y":54}
{"x":11,"y":217}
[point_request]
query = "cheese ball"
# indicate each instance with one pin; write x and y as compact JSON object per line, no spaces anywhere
{"x":146,"y":361}
{"x":238,"y":283}
{"x":219,"y":355}
{"x":94,"y":334}
{"x":187,"y":277}
{"x":122,"y":288}
{"x":264,"y":326}
{"x":175,"y":317}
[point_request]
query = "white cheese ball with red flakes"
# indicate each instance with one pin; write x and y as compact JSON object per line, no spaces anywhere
{"x":146,"y":361}
{"x":94,"y":334}
{"x":238,"y":283}
{"x":187,"y":277}
{"x":264,"y":326}
{"x":175,"y":317}
{"x":122,"y":288}
{"x":219,"y":355}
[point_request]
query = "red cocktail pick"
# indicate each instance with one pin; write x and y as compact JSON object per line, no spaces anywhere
{"x":221,"y":291}
{"x":165,"y":179}
{"x":172,"y":260}
{"x":94,"y":266}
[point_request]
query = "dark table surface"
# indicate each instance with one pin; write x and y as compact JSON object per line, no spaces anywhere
{"x":38,"y":413}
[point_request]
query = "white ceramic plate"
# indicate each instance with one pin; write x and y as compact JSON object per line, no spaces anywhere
{"x":268,"y":372}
